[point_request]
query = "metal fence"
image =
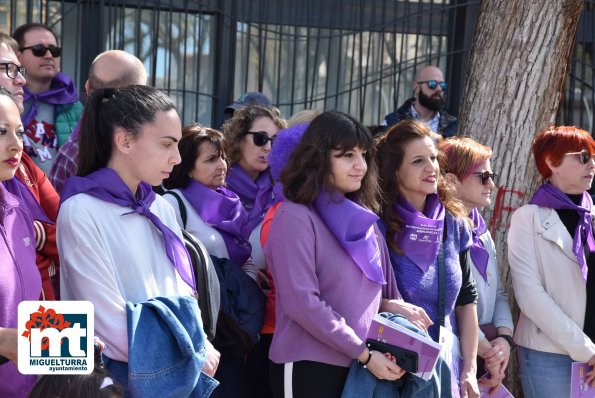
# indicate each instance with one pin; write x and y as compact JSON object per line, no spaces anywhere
{"x":357,"y":56}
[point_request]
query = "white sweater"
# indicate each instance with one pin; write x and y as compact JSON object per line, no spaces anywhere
{"x":109,"y":259}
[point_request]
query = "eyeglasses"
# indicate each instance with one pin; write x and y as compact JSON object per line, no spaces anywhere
{"x":433,"y":84}
{"x":12,"y":70}
{"x":260,"y":138}
{"x":583,"y":156}
{"x":39,"y":50}
{"x":485,"y":176}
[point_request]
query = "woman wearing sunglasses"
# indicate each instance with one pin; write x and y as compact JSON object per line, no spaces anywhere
{"x":465,"y":164}
{"x":329,"y":262}
{"x":249,"y":135}
{"x":427,"y":231}
{"x":550,"y":249}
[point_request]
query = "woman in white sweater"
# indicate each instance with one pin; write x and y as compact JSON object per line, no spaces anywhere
{"x":550,"y":245}
{"x":118,"y":241}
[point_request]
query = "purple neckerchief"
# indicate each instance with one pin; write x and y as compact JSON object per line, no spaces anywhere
{"x":61,"y":92}
{"x":25,"y":196}
{"x":255,"y":195}
{"x":421,"y":235}
{"x":479,"y":254}
{"x":353,"y":226}
{"x":549,"y":196}
{"x":222,"y":210}
{"x":106,"y":184}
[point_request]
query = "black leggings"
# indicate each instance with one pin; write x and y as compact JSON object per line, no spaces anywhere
{"x":309,"y":379}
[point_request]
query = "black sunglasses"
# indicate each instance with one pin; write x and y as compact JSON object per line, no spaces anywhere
{"x":583,"y":156}
{"x":485,"y":176}
{"x":39,"y":50}
{"x":260,"y":138}
{"x":432,"y":84}
{"x":12,"y":70}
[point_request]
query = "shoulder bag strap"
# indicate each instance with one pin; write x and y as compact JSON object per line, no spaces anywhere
{"x":441,"y":284}
{"x":180,"y":205}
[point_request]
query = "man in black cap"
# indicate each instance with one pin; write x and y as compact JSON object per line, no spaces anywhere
{"x":249,"y":98}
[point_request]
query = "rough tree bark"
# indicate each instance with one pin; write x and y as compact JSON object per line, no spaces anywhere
{"x":516,"y":74}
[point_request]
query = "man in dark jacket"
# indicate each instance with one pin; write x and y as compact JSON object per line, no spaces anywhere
{"x":427,"y":104}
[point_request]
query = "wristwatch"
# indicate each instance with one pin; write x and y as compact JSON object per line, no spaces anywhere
{"x":509,"y":340}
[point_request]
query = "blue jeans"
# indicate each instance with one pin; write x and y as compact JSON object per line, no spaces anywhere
{"x":544,"y":374}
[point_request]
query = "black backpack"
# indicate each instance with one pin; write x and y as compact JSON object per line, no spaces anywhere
{"x":207,"y":281}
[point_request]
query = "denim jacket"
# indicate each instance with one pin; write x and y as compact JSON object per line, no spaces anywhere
{"x":166,"y":350}
{"x":363,"y":384}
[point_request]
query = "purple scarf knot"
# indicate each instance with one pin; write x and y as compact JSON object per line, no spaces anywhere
{"x":353,"y":226}
{"x":549,"y":196}
{"x":421,"y":235}
{"x":106,"y":184}
{"x":222,"y":210}
{"x":256,"y":196}
{"x":61,"y":92}
{"x":478,"y":252}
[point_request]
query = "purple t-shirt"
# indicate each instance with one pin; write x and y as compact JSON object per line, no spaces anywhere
{"x":421,"y":288}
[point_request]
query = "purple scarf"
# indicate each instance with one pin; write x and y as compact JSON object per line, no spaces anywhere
{"x":61,"y":92}
{"x":479,"y":254}
{"x":106,"y":184}
{"x":421,"y":236}
{"x":222,"y":210}
{"x":255,"y":195}
{"x":549,"y":196}
{"x":26,"y":197}
{"x":353,"y":226}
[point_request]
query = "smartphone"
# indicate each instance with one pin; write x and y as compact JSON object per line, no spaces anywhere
{"x":406,"y":359}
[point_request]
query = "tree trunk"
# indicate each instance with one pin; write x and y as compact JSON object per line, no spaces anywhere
{"x":516,"y":74}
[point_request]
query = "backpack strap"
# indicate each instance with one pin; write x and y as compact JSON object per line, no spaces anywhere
{"x":180,"y":205}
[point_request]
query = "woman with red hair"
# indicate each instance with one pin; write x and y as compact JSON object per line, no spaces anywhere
{"x":465,"y":164}
{"x":550,"y":245}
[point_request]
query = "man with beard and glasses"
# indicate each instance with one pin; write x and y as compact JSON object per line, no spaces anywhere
{"x":427,"y":104}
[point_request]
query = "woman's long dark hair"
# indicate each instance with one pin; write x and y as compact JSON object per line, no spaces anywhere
{"x":308,"y":169}
{"x":106,"y":109}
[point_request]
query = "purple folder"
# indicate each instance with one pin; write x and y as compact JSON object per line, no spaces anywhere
{"x":391,"y":333}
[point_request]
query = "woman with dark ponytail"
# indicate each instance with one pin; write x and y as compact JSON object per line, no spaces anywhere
{"x":119,"y":243}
